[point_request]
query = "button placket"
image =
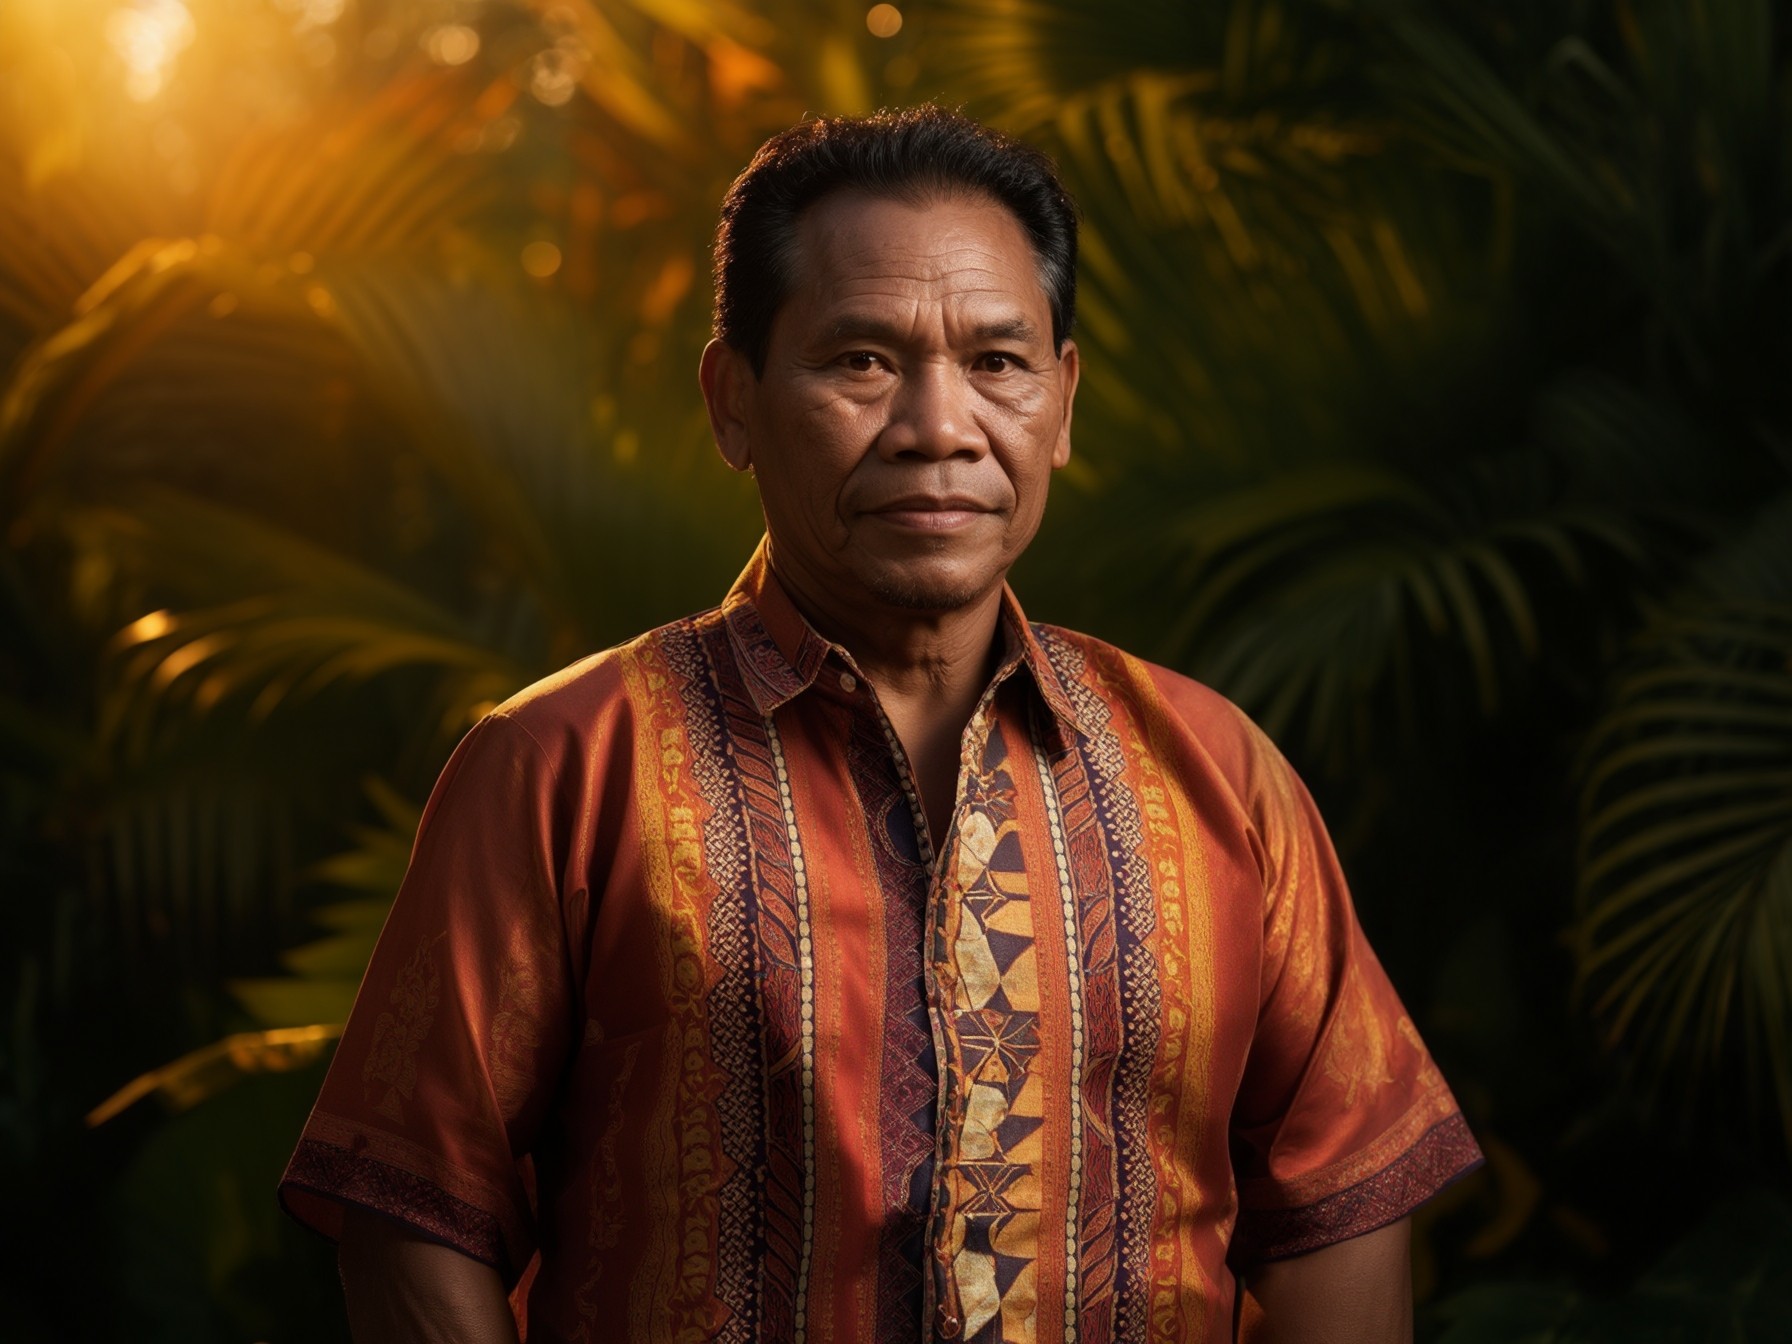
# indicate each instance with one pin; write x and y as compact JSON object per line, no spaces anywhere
{"x":939,"y":1295}
{"x":944,"y":894}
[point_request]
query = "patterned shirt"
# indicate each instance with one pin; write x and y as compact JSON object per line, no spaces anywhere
{"x":684,"y":1021}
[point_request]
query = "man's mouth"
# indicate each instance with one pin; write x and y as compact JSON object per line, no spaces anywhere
{"x":932,"y":513}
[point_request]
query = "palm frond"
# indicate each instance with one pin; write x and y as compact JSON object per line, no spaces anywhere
{"x":323,"y":975}
{"x":302,"y":1012}
{"x":379,"y":176}
{"x":1232,"y":160}
{"x":1665,"y":149}
{"x":287,"y":618}
{"x":498,"y":393}
{"x":1684,"y":934}
{"x":203,"y":1073}
{"x":120,"y":317}
{"x":1334,"y":602}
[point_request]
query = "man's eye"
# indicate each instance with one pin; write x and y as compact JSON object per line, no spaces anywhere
{"x":860,"y":361}
{"x":998,"y":361}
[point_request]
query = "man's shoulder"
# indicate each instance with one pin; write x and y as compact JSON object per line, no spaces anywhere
{"x":1200,"y":717}
{"x":592,"y":696}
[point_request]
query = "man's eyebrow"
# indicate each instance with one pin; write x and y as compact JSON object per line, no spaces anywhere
{"x":862,"y":326}
{"x":1009,"y":329}
{"x":855,"y":326}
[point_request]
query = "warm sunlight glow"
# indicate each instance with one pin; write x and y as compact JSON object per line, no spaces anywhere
{"x":313,"y":13}
{"x":451,"y":44}
{"x":884,"y":20}
{"x":148,"y":36}
{"x":146,"y":628}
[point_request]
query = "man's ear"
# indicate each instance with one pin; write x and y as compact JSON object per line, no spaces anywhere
{"x":728,"y":384}
{"x":1069,"y":370}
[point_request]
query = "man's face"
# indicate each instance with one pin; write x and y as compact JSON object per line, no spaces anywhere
{"x":912,"y":407}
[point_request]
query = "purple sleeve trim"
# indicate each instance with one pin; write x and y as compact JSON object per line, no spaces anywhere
{"x":1444,"y":1153}
{"x":324,"y":1171}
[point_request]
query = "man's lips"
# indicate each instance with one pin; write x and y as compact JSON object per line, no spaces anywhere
{"x":937,"y":513}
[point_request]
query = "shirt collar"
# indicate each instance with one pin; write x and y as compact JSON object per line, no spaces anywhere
{"x":780,"y":654}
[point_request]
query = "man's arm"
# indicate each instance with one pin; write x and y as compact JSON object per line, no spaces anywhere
{"x":1355,"y":1292}
{"x":404,"y":1289}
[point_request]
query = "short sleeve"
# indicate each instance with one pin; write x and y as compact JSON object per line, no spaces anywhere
{"x":1342,"y":1124}
{"x":461,"y":1028}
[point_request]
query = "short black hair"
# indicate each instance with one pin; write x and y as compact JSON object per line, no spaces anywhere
{"x":908,"y":154}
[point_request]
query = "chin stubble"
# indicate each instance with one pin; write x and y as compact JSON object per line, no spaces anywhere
{"x":913,"y":593}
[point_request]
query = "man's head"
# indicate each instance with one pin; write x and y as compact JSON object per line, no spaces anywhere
{"x":914,"y":155}
{"x":892,"y":357}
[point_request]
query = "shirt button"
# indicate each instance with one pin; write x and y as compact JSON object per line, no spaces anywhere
{"x":848,"y":682}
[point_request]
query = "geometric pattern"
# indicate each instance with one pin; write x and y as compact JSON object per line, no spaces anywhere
{"x":992,"y":1184}
{"x":1105,"y":793}
{"x":735,"y":1027}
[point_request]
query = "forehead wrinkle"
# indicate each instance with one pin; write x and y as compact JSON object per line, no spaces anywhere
{"x":1007,"y":325}
{"x":942,"y":271}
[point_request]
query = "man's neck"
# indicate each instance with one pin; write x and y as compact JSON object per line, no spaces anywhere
{"x":929,"y":670}
{"x":942,"y":657}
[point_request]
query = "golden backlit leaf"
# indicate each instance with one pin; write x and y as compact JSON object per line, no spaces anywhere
{"x":204,"y":1072}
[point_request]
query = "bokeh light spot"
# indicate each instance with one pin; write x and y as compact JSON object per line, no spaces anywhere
{"x":884,"y":20}
{"x":148,"y":36}
{"x":554,"y":76}
{"x":541,"y":259}
{"x":313,"y":13}
{"x":451,"y":44}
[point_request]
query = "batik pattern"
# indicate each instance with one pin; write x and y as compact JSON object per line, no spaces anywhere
{"x":682,"y":1307}
{"x":1118,"y":901}
{"x":697,"y":656}
{"x":909,"y":1092}
{"x":781,"y":970}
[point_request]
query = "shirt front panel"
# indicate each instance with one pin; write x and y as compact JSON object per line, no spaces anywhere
{"x":795,"y":1157}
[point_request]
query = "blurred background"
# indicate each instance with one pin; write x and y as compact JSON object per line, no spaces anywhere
{"x":1437,"y":408}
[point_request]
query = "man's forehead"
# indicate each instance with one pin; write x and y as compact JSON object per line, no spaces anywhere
{"x":853,"y":246}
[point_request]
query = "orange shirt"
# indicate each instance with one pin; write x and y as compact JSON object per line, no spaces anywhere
{"x":683,"y":1020}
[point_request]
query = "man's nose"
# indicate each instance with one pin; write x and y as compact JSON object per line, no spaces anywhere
{"x":933,"y":415}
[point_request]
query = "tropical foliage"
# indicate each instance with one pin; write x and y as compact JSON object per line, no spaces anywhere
{"x":1435,"y":412}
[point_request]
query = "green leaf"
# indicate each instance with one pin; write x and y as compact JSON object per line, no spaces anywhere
{"x":1684,"y":936}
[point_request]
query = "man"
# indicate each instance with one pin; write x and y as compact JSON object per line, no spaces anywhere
{"x":857,"y":961}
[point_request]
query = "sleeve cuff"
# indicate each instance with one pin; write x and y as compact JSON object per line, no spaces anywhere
{"x":322,"y":1178}
{"x":1442,"y":1154}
